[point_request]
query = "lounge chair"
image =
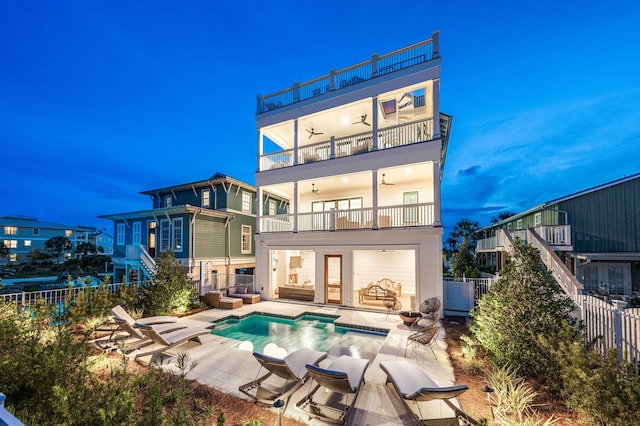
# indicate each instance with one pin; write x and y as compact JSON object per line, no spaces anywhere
{"x":169,"y":340}
{"x":412,"y":383}
{"x":343,"y":377}
{"x":291,"y":370}
{"x":133,"y":338}
{"x":120,"y":312}
{"x":425,"y":337}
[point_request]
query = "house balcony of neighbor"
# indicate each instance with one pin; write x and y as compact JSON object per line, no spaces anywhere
{"x":393,"y":197}
{"x":558,"y":237}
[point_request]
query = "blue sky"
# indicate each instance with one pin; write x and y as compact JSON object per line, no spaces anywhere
{"x":101,"y":100}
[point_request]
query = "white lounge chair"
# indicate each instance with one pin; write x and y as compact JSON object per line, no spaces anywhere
{"x":131,"y":338}
{"x":412,"y":383}
{"x":343,"y":377}
{"x":169,"y":340}
{"x":121,"y":312}
{"x":291,"y":371}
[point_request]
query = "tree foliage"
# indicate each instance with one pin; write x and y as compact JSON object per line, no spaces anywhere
{"x":462,"y":262}
{"x":57,"y":245}
{"x":465,"y":230}
{"x":4,"y":251}
{"x":524,"y":305}
{"x":170,"y":290}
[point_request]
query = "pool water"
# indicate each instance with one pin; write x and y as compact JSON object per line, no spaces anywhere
{"x":308,"y":331}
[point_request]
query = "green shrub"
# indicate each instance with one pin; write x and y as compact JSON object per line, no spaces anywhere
{"x":604,"y":390}
{"x":523,"y":305}
{"x":170,"y":289}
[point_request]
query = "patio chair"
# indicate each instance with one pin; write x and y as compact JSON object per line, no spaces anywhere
{"x":169,"y":340}
{"x":412,"y":383}
{"x":430,"y":308}
{"x":424,"y":324}
{"x":133,"y":338}
{"x":291,"y":371}
{"x":343,"y":377}
{"x":425,"y":337}
{"x":120,"y":312}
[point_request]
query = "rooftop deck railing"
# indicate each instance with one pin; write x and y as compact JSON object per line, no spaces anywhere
{"x":377,"y":66}
{"x":554,"y":235}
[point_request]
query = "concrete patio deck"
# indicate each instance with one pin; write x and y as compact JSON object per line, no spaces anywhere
{"x":223,"y":366}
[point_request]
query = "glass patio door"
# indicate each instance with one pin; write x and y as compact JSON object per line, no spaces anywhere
{"x":333,"y":278}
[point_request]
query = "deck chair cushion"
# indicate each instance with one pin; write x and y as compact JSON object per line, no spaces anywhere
{"x":297,"y":360}
{"x":345,"y":367}
{"x":414,"y":384}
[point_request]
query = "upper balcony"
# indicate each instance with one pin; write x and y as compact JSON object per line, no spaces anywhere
{"x":556,"y":236}
{"x":347,"y":78}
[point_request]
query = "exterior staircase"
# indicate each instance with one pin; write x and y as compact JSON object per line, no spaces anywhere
{"x":137,"y":255}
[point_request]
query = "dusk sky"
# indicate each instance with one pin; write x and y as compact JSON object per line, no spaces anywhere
{"x":100,"y":100}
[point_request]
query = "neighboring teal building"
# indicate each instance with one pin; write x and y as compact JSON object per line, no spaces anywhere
{"x":208,"y":224}
{"x":23,"y":234}
{"x":596,"y":232}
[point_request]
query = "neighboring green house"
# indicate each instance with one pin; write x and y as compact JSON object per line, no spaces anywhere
{"x":596,"y":233}
{"x":23,"y":234}
{"x":208,"y":224}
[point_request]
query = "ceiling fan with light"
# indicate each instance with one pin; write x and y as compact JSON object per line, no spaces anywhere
{"x":384,"y":182}
{"x":314,"y":190}
{"x":312,"y":132}
{"x":363,"y":120}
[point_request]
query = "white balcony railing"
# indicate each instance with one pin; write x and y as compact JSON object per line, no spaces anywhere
{"x":421,"y":214}
{"x":554,"y":235}
{"x":391,"y":137}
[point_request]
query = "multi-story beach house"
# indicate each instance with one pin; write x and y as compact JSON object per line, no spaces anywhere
{"x":349,"y":172}
{"x":208,"y":224}
{"x":594,"y":232}
{"x":23,"y":234}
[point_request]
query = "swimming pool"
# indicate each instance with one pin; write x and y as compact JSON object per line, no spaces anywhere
{"x":307,"y":331}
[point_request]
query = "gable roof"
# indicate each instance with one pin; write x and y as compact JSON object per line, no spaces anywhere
{"x":564,"y":198}
{"x":217,"y":177}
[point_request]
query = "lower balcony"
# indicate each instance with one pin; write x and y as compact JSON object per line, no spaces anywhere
{"x":402,"y":216}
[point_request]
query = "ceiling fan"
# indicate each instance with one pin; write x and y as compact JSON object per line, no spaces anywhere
{"x":312,"y":132}
{"x":363,"y":120}
{"x":384,"y":182}
{"x":314,"y":190}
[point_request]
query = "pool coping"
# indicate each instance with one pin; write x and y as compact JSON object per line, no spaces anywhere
{"x":377,"y":330}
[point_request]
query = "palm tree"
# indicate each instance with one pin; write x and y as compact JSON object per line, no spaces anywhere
{"x":465,"y":229}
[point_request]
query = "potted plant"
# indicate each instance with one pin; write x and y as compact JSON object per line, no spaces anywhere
{"x":410,"y":316}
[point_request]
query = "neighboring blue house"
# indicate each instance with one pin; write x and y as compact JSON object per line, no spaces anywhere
{"x":208,"y":224}
{"x":23,"y":234}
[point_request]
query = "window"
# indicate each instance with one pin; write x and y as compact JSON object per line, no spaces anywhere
{"x":167,"y":201}
{"x":67,"y":256}
{"x":410,"y":213}
{"x":27,"y":243}
{"x":246,"y":201}
{"x":165,"y":235}
{"x":120,"y":234}
{"x":177,"y":234}
{"x":13,"y":257}
{"x":519,"y":224}
{"x":246,"y":239}
{"x":11,"y":243}
{"x":10,"y":230}
{"x":137,"y":233}
{"x":205,"y":198}
{"x":68,"y":233}
{"x":273,"y":208}
{"x":36,"y":231}
{"x":537,"y":219}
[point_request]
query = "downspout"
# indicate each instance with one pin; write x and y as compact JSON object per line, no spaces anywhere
{"x":228,"y":226}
